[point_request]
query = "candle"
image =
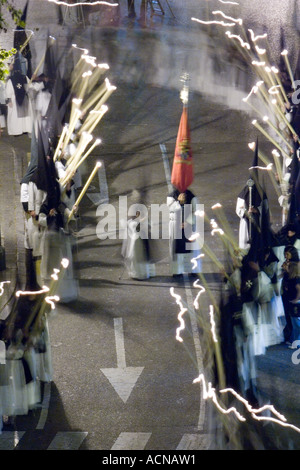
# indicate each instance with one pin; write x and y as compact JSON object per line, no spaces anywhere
{"x":255,"y":123}
{"x":60,"y":142}
{"x":84,"y":189}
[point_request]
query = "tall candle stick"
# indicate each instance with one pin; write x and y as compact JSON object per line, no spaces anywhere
{"x":97,"y":166}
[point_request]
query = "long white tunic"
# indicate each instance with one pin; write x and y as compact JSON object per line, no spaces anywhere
{"x":17,"y":125}
{"x":182,"y":262}
{"x":134,"y":253}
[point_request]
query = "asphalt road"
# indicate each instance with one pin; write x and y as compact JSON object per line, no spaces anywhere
{"x":121,"y":379}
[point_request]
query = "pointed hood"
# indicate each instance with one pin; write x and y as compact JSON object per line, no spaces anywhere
{"x":20,"y":37}
{"x":257,"y":193}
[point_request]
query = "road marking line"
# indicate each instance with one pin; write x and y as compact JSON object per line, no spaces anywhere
{"x":131,"y":441}
{"x":10,"y":439}
{"x":67,"y":440}
{"x":45,"y":406}
{"x":194,"y":442}
{"x":197,"y":344}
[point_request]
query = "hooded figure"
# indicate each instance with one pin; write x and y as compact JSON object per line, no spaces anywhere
{"x":250,"y":202}
{"x":20,"y":37}
{"x":19,"y":119}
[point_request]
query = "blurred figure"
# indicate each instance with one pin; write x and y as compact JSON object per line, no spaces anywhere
{"x":19,"y":119}
{"x":182,"y":207}
{"x":135,"y":249}
{"x":131,"y":9}
{"x":290,"y":292}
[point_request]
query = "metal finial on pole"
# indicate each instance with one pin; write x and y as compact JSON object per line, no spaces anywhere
{"x":250,"y":184}
{"x":184,"y":94}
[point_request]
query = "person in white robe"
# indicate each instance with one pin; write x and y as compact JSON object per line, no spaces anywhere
{"x":135,"y":249}
{"x":184,"y":253}
{"x":19,"y":116}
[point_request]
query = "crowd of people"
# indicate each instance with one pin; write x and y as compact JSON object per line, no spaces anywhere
{"x":261,"y":305}
{"x":38,"y":105}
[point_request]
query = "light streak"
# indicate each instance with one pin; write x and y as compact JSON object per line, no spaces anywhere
{"x":213,"y":323}
{"x":222,"y":23}
{"x":228,"y":2}
{"x":32,"y":292}
{"x":217,"y":230}
{"x":260,"y":51}
{"x":99,"y":2}
{"x":87,"y":74}
{"x":235,"y":20}
{"x":275,"y":153}
{"x":255,"y":38}
{"x":268,"y":167}
{"x":235,"y":36}
{"x":180,"y":315}
{"x":210,"y":393}
{"x":55,"y":274}
{"x":282,"y":421}
{"x":2,"y":288}
{"x":272,"y":90}
{"x":194,"y":260}
{"x":253,"y":90}
{"x":202,"y":290}
{"x":109,"y":86}
{"x":102,"y":110}
{"x":216,"y":206}
{"x":259,"y":64}
{"x":215,"y":227}
{"x":77,"y":101}
{"x":194,"y":237}
{"x":200,"y":213}
{"x":51,"y":299}
{"x":86,"y":51}
{"x":103,"y":66}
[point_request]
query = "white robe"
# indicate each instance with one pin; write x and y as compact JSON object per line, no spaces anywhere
{"x":17,"y":125}
{"x":133,"y":251}
{"x":182,"y":262}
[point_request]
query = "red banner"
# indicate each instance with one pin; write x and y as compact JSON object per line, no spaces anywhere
{"x":182,"y":171}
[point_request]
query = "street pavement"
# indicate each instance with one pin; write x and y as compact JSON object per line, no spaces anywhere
{"x":118,"y":322}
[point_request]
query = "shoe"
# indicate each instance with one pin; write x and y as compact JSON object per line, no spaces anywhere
{"x":292,"y":347}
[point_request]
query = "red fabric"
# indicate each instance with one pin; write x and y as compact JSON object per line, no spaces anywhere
{"x":182,"y":171}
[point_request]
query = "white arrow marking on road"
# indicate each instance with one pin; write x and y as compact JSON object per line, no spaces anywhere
{"x":122,"y":378}
{"x":131,"y":441}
